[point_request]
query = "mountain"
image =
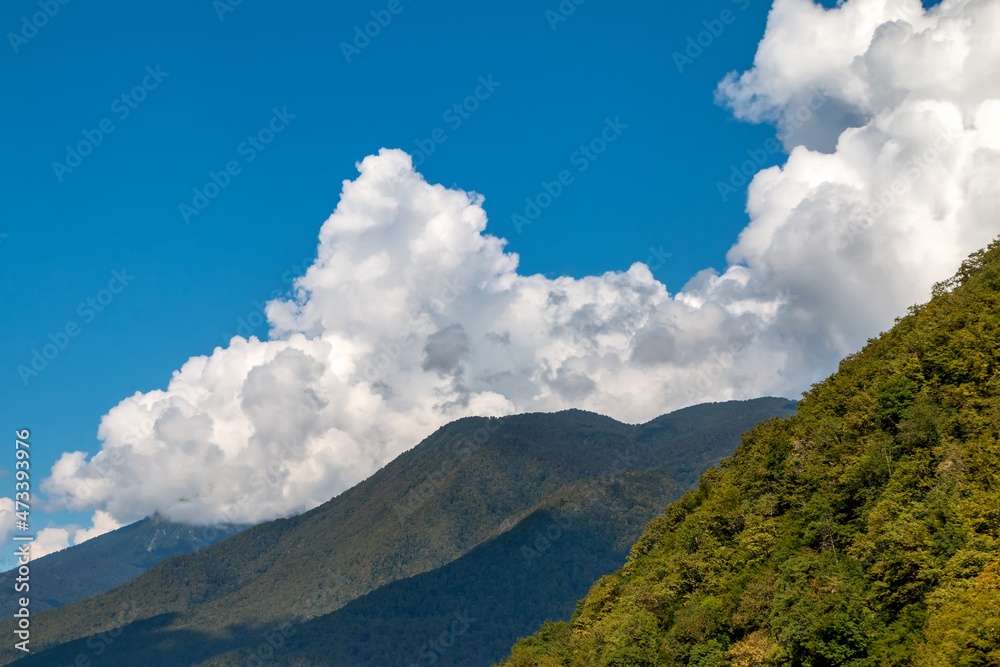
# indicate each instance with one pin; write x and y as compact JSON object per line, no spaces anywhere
{"x":862,"y":531}
{"x":542,"y":565}
{"x":103,"y":562}
{"x":467,"y":483}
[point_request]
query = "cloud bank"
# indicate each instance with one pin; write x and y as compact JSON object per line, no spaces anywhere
{"x":413,"y":315}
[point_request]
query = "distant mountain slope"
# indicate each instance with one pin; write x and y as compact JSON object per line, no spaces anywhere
{"x":482,"y":601}
{"x":864,"y":531}
{"x":461,"y":486}
{"x":103,"y":562}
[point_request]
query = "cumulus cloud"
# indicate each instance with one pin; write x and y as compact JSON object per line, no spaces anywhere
{"x":49,"y":540}
{"x":102,"y":523}
{"x":412,"y":315}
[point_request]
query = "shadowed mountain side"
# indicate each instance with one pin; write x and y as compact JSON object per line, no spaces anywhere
{"x":121,"y":644}
{"x":467,"y":612}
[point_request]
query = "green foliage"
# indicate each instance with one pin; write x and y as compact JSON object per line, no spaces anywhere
{"x":468,"y":484}
{"x":863,"y":531}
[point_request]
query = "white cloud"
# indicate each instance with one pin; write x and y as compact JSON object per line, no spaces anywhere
{"x":102,"y":523}
{"x":49,"y":540}
{"x":413,"y":316}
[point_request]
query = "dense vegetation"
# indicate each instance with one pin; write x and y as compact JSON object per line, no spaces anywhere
{"x":469,"y":482}
{"x":862,"y":531}
{"x":101,"y":563}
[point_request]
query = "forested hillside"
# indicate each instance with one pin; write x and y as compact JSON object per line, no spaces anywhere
{"x":467,"y":483}
{"x":862,"y":531}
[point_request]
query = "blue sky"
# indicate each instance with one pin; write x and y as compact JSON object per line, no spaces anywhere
{"x":209,"y":79}
{"x":119,"y":209}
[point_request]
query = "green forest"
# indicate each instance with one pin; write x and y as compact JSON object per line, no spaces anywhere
{"x":463,"y":493}
{"x":861,"y":531}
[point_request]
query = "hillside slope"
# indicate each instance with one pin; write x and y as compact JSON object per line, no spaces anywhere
{"x":863,"y":531}
{"x":536,"y":571}
{"x":103,"y":562}
{"x":464,"y":484}
{"x":483,"y":600}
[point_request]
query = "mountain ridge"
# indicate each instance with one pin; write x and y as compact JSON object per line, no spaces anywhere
{"x":252,"y":579}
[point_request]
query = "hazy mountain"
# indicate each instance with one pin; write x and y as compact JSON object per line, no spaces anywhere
{"x":103,"y":562}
